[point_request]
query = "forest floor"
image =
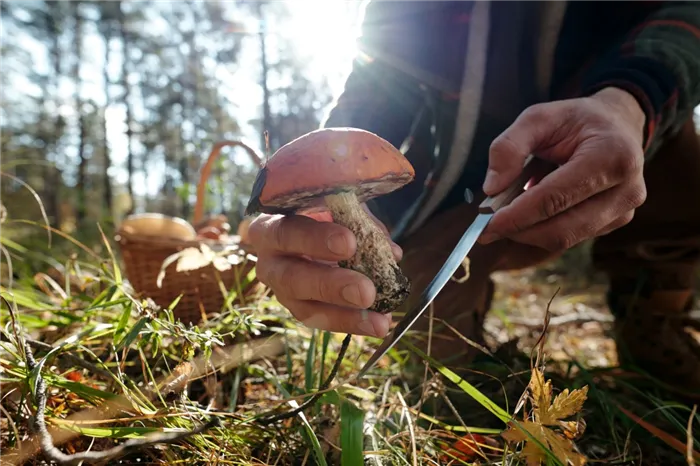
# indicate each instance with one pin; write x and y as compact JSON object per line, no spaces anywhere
{"x":113,"y":370}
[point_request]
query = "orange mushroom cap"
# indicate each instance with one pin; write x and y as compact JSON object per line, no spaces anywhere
{"x":328,"y":161}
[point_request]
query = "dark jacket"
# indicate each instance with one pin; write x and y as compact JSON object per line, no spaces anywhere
{"x":441,"y":80}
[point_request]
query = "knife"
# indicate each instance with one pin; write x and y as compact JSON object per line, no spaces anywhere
{"x":532,"y":167}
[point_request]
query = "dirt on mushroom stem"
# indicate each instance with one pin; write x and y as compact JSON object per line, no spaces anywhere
{"x":373,"y":257}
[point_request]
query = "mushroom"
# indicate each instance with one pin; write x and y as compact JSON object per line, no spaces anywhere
{"x":336,"y":170}
{"x":220,"y":222}
{"x":152,"y":224}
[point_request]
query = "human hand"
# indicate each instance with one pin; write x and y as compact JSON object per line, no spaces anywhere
{"x":597,"y":141}
{"x":297,"y":259}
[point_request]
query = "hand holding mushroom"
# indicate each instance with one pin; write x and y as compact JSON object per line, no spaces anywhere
{"x":320,"y":250}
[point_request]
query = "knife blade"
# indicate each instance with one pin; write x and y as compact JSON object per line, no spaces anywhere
{"x":487,"y":209}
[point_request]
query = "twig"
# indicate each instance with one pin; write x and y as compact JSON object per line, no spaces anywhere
{"x":54,"y":454}
{"x":577,"y":317}
{"x":324,"y":386}
{"x":539,"y":345}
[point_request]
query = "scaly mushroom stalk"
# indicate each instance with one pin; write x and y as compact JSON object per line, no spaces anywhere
{"x":373,"y":257}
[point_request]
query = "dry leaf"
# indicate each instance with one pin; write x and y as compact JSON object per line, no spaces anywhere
{"x":532,"y":453}
{"x":221,"y":263}
{"x":194,"y":258}
{"x":468,"y":447}
{"x":548,"y":413}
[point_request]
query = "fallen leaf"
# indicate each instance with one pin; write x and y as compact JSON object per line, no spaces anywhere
{"x":532,"y":452}
{"x":194,"y":258}
{"x":546,"y":416}
{"x":221,"y":263}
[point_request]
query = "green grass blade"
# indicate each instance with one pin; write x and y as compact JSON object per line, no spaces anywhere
{"x":26,"y":298}
{"x":121,"y":325}
{"x":115,"y":264}
{"x":112,"y":432}
{"x":351,"y":434}
{"x":133,"y":333}
{"x":324,"y":349}
{"x":309,"y":378}
{"x":84,"y":391}
{"x":5,"y":241}
{"x":468,"y":388}
{"x":310,"y":436}
{"x":308,"y":433}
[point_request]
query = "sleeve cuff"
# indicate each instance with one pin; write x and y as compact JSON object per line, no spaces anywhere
{"x":651,"y":83}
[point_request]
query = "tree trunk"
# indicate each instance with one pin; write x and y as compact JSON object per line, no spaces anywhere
{"x":126,"y":99}
{"x":81,"y":209}
{"x":53,"y":191}
{"x":107,"y":183}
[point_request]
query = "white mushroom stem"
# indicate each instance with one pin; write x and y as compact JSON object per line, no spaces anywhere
{"x":373,"y":257}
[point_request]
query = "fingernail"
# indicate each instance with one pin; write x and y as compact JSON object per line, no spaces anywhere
{"x":490,"y":181}
{"x":352,"y":294}
{"x":337,"y":244}
{"x":366,"y":327}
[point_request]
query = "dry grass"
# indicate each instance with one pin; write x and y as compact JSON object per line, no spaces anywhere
{"x":118,"y":368}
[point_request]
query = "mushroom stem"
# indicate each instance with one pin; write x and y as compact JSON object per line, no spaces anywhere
{"x":373,"y":257}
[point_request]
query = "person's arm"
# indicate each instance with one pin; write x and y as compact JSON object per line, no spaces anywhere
{"x":377,"y":96}
{"x":659,"y":64}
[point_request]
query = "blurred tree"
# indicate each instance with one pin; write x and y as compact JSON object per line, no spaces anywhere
{"x":126,"y":39}
{"x":113,"y":107}
{"x":108,"y":18}
{"x":80,"y":187}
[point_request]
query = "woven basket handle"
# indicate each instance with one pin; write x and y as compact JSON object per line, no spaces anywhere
{"x":206,"y":171}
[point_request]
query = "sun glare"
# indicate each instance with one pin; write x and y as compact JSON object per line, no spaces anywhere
{"x":326,"y":30}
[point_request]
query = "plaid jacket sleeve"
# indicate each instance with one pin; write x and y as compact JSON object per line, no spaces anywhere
{"x":659,"y":63}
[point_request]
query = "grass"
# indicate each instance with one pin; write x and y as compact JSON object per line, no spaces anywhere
{"x":118,"y":368}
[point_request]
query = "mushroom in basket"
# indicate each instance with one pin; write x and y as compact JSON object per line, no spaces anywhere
{"x":215,"y":227}
{"x":337,"y":169}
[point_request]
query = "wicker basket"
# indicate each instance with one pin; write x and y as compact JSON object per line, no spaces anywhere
{"x":201,"y":289}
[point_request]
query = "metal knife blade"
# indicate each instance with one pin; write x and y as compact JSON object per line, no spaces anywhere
{"x":532,"y":167}
{"x":450,"y":266}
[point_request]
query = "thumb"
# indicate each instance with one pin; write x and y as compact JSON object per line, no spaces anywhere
{"x":509,"y":150}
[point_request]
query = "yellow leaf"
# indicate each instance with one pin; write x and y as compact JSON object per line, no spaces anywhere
{"x":514,"y":434}
{"x":532,"y":451}
{"x":534,"y":456}
{"x":567,"y":404}
{"x":541,"y":395}
{"x":550,"y":413}
{"x":563,"y":449}
{"x":573,"y":429}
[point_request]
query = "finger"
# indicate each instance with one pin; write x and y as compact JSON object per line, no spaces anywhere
{"x":583,"y":221}
{"x":338,"y":319}
{"x":538,"y":126}
{"x":300,"y":279}
{"x":297,"y":234}
{"x":617,"y":224}
{"x":589,"y":172}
